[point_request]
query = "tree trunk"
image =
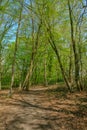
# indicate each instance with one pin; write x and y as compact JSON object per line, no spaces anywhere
{"x":52,"y":43}
{"x":76,"y":57}
{"x":27,"y":83}
{"x":50,"y":66}
{"x":70,"y":76}
{"x":15,"y":51}
{"x":45,"y":72}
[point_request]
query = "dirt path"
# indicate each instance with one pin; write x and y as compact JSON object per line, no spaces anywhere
{"x":37,"y":110}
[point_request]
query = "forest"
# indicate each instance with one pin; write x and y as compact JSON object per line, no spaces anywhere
{"x":43,"y":64}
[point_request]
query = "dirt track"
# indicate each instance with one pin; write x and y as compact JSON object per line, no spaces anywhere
{"x":37,"y":110}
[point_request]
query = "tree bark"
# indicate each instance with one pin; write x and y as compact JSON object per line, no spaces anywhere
{"x":70,"y":66}
{"x":15,"y":51}
{"x":45,"y":72}
{"x":27,"y":83}
{"x":76,"y":57}
{"x":52,"y":43}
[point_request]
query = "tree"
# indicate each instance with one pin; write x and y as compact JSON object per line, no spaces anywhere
{"x":43,"y":42}
{"x":16,"y":45}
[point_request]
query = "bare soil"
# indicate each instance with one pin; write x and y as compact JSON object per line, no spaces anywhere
{"x":43,"y":108}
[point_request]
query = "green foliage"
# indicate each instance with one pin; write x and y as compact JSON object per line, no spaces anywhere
{"x":54,"y":15}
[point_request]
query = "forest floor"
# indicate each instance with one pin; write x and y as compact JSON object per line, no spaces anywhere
{"x":43,"y":109}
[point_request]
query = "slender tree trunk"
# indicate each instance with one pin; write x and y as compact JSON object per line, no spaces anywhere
{"x":81,"y":70}
{"x":27,"y":83}
{"x":45,"y":72}
{"x":70,"y":66}
{"x":80,"y":60}
{"x":15,"y":51}
{"x":63,"y":72}
{"x":52,"y":43}
{"x":50,"y":66}
{"x":76,"y":57}
{"x":35,"y":74}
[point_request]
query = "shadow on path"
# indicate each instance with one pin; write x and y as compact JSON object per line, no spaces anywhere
{"x":34,"y":111}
